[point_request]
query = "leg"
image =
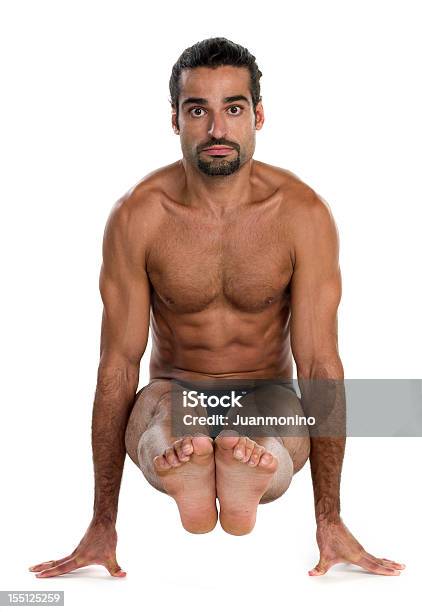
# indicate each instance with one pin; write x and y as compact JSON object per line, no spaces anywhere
{"x":183,"y":468}
{"x":274,"y":461}
{"x":246,"y":471}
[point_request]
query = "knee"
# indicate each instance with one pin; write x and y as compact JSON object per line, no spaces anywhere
{"x":281,"y":479}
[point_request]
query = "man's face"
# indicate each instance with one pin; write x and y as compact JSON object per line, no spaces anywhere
{"x":216,"y":119}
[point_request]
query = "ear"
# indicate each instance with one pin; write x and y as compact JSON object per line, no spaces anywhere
{"x":259,"y":116}
{"x":174,"y":121}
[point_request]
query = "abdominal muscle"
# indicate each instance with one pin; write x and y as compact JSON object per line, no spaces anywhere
{"x":214,"y":345}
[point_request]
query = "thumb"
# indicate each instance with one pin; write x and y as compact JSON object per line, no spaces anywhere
{"x":115,"y":570}
{"x":320,"y":569}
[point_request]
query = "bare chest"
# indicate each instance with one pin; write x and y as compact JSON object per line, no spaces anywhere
{"x":245,"y":263}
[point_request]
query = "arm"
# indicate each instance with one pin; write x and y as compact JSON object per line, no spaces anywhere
{"x":315,"y":296}
{"x":124,"y":334}
{"x":124,"y":290}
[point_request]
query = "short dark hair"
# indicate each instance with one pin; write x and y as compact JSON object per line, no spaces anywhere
{"x":212,"y":53}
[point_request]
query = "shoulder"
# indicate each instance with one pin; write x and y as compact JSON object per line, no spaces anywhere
{"x":138,"y":212}
{"x":136,"y":216}
{"x":306,"y":217}
{"x":146,"y":197}
{"x":303,"y":205}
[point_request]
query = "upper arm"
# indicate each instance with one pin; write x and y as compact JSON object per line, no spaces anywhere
{"x":124,"y":289}
{"x":315,"y":287}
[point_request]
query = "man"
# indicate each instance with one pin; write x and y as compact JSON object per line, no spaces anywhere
{"x":237,"y":262}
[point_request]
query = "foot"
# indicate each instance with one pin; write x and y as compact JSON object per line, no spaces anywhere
{"x":186,"y":470}
{"x":244,"y":471}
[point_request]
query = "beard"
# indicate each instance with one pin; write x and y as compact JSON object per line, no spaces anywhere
{"x":218,"y":167}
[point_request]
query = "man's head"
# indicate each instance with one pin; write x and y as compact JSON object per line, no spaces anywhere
{"x":216,"y":101}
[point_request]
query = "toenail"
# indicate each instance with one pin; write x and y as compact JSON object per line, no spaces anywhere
{"x":238,"y":453}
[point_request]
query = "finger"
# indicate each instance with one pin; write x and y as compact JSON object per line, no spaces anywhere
{"x":376,"y":568}
{"x":40,"y":566}
{"x":61,"y":568}
{"x":321,"y":568}
{"x":399,"y":565}
{"x":115,"y":569}
{"x":386,"y":562}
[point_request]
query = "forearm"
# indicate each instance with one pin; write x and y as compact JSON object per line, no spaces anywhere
{"x":323,"y":396}
{"x":326,"y":459}
{"x":115,"y":392}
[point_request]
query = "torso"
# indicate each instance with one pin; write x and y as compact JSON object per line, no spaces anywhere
{"x":220,"y":302}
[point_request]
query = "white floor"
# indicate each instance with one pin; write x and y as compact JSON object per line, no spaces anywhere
{"x":167,"y":567}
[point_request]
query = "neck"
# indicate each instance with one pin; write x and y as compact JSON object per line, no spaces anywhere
{"x":218,"y":193}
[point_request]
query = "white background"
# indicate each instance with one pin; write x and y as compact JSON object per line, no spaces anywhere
{"x":85,"y":114}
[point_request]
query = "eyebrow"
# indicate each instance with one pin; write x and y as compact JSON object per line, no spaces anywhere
{"x":205,"y":101}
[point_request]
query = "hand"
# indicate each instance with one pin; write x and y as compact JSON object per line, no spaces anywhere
{"x":97,"y":547}
{"x":337,"y":545}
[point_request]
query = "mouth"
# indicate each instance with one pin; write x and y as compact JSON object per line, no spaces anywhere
{"x":218,"y":150}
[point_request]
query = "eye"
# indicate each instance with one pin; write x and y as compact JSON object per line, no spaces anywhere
{"x":239,"y":108}
{"x":194,"y":111}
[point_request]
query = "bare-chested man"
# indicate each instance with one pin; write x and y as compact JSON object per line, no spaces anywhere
{"x":235,"y":264}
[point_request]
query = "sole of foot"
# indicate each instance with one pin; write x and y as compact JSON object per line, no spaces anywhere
{"x":244,"y":471}
{"x":186,"y":470}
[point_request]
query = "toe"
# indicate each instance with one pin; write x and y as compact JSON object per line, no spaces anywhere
{"x":266,"y":459}
{"x":171,"y":457}
{"x":187,"y":446}
{"x":160,"y":463}
{"x":255,"y":456}
{"x":202,"y":445}
{"x":239,"y":450}
{"x":179,"y":448}
{"x":250,"y":447}
{"x":227,"y":439}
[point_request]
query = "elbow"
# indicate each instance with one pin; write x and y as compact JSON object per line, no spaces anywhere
{"x":326,"y":368}
{"x":117,"y":375}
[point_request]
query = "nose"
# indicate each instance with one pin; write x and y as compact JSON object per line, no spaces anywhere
{"x":217,"y":126}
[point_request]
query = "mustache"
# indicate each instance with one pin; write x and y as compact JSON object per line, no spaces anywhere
{"x":221,"y":143}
